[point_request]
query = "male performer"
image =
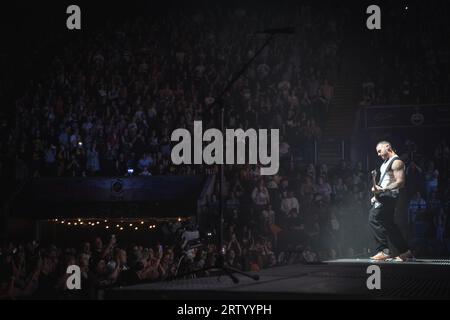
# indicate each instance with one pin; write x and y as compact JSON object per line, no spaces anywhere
{"x":381,"y":215}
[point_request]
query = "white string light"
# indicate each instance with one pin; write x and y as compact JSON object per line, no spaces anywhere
{"x":131,"y":224}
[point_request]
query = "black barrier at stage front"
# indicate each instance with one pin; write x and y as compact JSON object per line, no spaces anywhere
{"x":407,"y":116}
{"x":155,"y":196}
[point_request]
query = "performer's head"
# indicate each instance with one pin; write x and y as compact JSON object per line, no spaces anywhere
{"x":384,"y":149}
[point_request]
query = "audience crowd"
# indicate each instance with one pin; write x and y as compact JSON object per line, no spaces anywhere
{"x":110,"y":100}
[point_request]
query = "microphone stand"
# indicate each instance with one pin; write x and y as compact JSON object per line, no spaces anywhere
{"x":220,"y":261}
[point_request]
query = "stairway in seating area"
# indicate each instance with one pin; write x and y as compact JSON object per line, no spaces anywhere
{"x":337,"y":131}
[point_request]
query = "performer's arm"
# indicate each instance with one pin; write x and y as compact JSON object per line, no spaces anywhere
{"x":398,"y":168}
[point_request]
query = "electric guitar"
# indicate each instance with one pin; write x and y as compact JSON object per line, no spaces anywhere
{"x":379,"y":196}
{"x":374,"y":201}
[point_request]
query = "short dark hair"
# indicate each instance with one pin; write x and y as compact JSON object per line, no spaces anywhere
{"x":384,"y":142}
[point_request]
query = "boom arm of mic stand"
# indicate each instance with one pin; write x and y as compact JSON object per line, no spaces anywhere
{"x":244,"y":68}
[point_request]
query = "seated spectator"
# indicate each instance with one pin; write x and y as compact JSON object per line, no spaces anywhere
{"x":145,"y":172}
{"x":93,"y":162}
{"x":145,"y":162}
{"x":417,"y":208}
{"x":339,"y":189}
{"x":431,"y":180}
{"x":368,"y":89}
{"x":260,"y":195}
{"x":323,"y":188}
{"x":232,"y":261}
{"x":440,"y":222}
{"x":415,"y":178}
{"x":307,"y":189}
{"x":289,"y":203}
{"x":434,"y":203}
{"x":327,"y":91}
{"x":268,"y":215}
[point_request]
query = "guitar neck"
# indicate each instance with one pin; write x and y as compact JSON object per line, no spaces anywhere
{"x":374,"y":183}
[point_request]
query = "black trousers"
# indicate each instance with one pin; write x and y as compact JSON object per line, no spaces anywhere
{"x":384,"y":229}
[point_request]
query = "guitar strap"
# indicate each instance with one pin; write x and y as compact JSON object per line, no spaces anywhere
{"x":388,"y":168}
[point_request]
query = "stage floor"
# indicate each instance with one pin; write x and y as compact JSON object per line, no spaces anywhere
{"x":335,"y":279}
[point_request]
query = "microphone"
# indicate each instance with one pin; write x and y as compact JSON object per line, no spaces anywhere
{"x":286,"y":30}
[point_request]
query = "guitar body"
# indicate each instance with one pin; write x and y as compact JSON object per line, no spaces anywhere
{"x":386,"y":196}
{"x":381,"y":197}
